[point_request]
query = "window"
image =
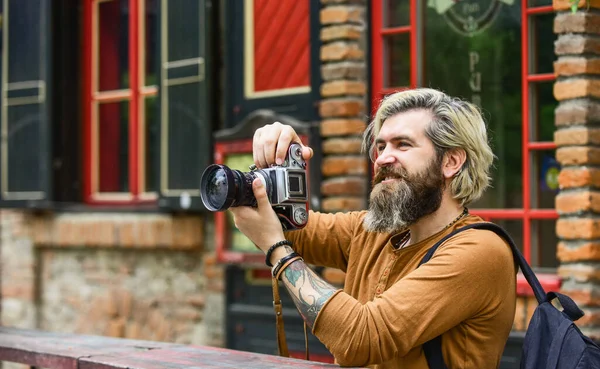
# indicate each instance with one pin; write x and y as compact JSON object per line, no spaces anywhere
{"x":121,"y":120}
{"x":146,"y":111}
{"x":472,"y":49}
{"x":106,"y":102}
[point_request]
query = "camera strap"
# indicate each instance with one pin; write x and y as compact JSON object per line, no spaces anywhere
{"x":281,"y":341}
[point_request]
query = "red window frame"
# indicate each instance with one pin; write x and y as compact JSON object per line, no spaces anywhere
{"x":135,"y":94}
{"x":379,"y":32}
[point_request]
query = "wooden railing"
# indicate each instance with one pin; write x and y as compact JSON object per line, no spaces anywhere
{"x":71,"y":351}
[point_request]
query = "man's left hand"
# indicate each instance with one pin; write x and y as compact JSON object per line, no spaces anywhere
{"x":261,"y":225}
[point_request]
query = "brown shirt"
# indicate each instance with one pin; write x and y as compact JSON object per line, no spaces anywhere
{"x":389,"y":307}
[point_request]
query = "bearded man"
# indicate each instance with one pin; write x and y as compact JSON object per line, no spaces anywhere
{"x":431,"y":159}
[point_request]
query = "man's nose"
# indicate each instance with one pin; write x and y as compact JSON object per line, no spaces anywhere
{"x":385,"y":158}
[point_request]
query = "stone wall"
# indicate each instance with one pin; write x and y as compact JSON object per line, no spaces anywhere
{"x":143,"y":276}
{"x":578,"y":140}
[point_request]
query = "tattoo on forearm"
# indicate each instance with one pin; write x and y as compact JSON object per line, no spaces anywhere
{"x":308,"y":290}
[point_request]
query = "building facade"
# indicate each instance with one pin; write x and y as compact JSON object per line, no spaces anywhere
{"x":111,"y":110}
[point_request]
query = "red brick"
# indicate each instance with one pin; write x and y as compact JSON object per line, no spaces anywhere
{"x":577,"y":201}
{"x":572,"y":44}
{"x":591,"y":318}
{"x":341,"y":32}
{"x":187,"y":313}
{"x":578,"y":155}
{"x":42,"y":229}
{"x":116,"y":328}
{"x":341,"y":14}
{"x":341,"y":108}
{"x":210,"y":258}
{"x":125,"y":303}
{"x":583,"y":296}
{"x":570,"y":66}
{"x":334,"y":276}
{"x":579,"y":272}
{"x":197,"y":301}
{"x":333,"y":204}
{"x":350,"y":145}
{"x":578,"y":177}
{"x":576,"y":88}
{"x":133,"y":330}
{"x":568,"y":252}
{"x":343,"y":88}
{"x":111,"y":308}
{"x":577,"y":112}
{"x":341,"y":50}
{"x":580,"y":22}
{"x":187,"y":232}
{"x":578,"y":228}
{"x":344,"y":186}
{"x":577,"y":136}
{"x":583,"y":4}
{"x":214,"y":272}
{"x":343,"y":70}
{"x":341,"y":127}
{"x":342,"y":165}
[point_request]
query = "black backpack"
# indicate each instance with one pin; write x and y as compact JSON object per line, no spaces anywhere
{"x":552,"y":340}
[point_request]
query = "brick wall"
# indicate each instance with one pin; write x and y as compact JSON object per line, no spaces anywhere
{"x":577,"y":137}
{"x":342,"y":108}
{"x":144,"y":276}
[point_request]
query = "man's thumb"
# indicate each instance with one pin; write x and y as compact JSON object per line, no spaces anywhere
{"x":260,"y":193}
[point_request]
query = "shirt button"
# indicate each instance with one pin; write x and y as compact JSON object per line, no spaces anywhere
{"x":385,"y":273}
{"x":379,"y":290}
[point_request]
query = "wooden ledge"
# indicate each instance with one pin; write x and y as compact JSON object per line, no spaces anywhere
{"x":70,"y":351}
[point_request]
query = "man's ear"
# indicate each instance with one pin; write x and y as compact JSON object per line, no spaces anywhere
{"x":453,"y":162}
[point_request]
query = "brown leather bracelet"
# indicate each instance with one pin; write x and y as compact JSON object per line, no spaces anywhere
{"x":287,"y":264}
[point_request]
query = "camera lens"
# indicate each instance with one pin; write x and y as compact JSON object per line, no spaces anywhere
{"x":217,"y":187}
{"x":222,"y":188}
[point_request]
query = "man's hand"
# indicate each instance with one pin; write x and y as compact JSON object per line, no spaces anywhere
{"x":271,"y":142}
{"x":261,"y":225}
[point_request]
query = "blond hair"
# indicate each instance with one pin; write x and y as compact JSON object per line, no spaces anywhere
{"x":456,"y":124}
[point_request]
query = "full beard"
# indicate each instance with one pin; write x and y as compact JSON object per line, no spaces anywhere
{"x":396,"y":205}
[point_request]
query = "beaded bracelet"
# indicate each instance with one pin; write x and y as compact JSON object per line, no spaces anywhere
{"x":282,"y":261}
{"x":272,"y":248}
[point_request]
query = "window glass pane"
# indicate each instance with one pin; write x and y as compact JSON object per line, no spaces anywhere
{"x":534,"y":3}
{"x":545,"y":184}
{"x":514,"y":229}
{"x":149,"y":55}
{"x":544,"y":105}
{"x":396,"y":59}
{"x":113,"y":140}
{"x":472,"y":50}
{"x":396,"y":13}
{"x":22,"y":145}
{"x":151,"y":136}
{"x":113,"y":45}
{"x":543,"y":243}
{"x":541,"y":46}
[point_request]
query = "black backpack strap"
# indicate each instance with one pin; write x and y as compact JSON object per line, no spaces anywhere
{"x":433,"y":348}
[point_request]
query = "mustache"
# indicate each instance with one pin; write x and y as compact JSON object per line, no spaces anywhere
{"x":385,"y":172}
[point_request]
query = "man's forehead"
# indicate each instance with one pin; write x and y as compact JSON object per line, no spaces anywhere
{"x":410,"y":123}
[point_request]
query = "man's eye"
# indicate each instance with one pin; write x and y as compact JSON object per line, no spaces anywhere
{"x":380,"y":148}
{"x":403,"y":144}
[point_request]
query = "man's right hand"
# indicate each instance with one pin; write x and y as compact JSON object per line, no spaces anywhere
{"x":271,"y":142}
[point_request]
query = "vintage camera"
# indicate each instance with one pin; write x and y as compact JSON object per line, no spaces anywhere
{"x":286,"y":185}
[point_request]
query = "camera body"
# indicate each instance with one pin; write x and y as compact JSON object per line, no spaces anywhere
{"x":286,"y":186}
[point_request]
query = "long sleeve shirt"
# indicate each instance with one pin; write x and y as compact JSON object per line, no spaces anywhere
{"x":388,"y":307}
